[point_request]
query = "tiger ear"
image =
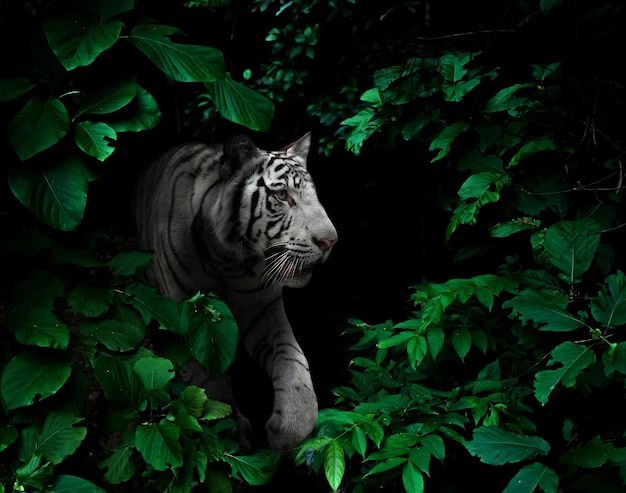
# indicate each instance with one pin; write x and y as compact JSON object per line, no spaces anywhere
{"x":299,"y":149}
{"x":240,"y":154}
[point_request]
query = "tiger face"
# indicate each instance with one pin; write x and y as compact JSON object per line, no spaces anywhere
{"x":281,"y":216}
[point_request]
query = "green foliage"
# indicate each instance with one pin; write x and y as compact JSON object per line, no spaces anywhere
{"x":59,"y":94}
{"x":77,"y":344}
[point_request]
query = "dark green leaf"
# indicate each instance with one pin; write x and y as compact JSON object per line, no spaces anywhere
{"x":108,"y":99}
{"x":146,"y":114}
{"x":119,"y":382}
{"x":502,"y":230}
{"x":34,"y":374}
{"x":129,"y":263}
{"x":572,"y":246}
{"x":159,"y":446}
{"x":461,"y":341}
{"x":505,"y":99}
{"x":59,"y":437}
{"x":73,"y":484}
{"x":184,"y":63}
{"x":14,"y":87}
{"x":609,"y":307}
{"x":154,"y":373}
{"x":152,"y":305}
{"x":57,"y":195}
{"x":40,"y":124}
{"x":8,"y":435}
{"x":594,"y":453}
{"x":95,"y":139}
{"x":412,"y":478}
{"x":533,"y":147}
{"x":496,"y":447}
{"x":119,"y":464}
{"x":35,"y":473}
{"x":446,"y":138}
{"x":531,"y":477}
{"x":91,"y":301}
{"x":546,"y":308}
{"x":255,"y":469}
{"x":574,"y":358}
{"x":104,"y":8}
{"x":77,"y":40}
{"x":116,"y":335}
{"x":241,"y":105}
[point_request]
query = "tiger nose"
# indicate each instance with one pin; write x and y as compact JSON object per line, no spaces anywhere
{"x":324,"y":243}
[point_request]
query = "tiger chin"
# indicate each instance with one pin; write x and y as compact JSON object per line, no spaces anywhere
{"x":244,"y":222}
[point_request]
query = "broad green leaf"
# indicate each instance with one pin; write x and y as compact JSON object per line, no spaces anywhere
{"x":159,"y":446}
{"x":57,"y":195}
{"x":446,"y":138}
{"x":183,"y":63}
{"x":91,"y":301}
{"x":211,"y":333}
{"x":95,"y":139}
{"x":609,"y":307}
{"x":416,"y":348}
{"x":60,"y":437}
{"x":154,"y":373}
{"x":241,"y":105}
{"x":72,"y":484}
{"x":532,"y":147}
{"x":215,"y":410}
{"x":574,"y":358}
{"x":119,"y":464}
{"x":495,"y":446}
{"x":13,"y":87}
{"x":255,"y":470}
{"x":477,"y":184}
{"x":502,"y":230}
{"x":461,"y":341}
{"x":531,"y":477}
{"x":8,"y":435}
{"x":334,"y":464}
{"x":412,"y":478}
{"x":153,"y":305}
{"x":594,"y":453}
{"x":77,"y":39}
{"x":119,"y":382}
{"x":40,"y":124}
{"x":506,"y":100}
{"x":116,"y":335}
{"x":547,"y":309}
{"x":34,"y":374}
{"x":35,"y":473}
{"x":129,"y":263}
{"x":145,"y":114}
{"x":194,"y":399}
{"x":572,"y":245}
{"x":107,"y":99}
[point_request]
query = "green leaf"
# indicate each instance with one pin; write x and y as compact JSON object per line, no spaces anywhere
{"x":241,"y":105}
{"x":152,"y":305}
{"x":417,"y":348}
{"x":574,"y":358}
{"x":154,"y":373}
{"x":572,"y":245}
{"x":34,"y":374}
{"x":461,"y":341}
{"x":334,"y":464}
{"x":91,"y":301}
{"x":59,"y":437}
{"x":592,"y":454}
{"x":40,"y":124}
{"x":95,"y":139}
{"x":77,"y":39}
{"x":435,"y":446}
{"x":75,"y":256}
{"x":119,"y":465}
{"x":546,"y":308}
{"x":506,"y":100}
{"x":255,"y":470}
{"x":609,"y":307}
{"x":13,"y":87}
{"x":159,"y":446}
{"x":35,"y":473}
{"x":129,"y":263}
{"x":108,"y":99}
{"x":435,"y":337}
{"x":502,"y":230}
{"x":412,"y":478}
{"x":57,"y":195}
{"x":8,"y":435}
{"x":614,"y":359}
{"x":145,"y":114}
{"x":183,"y":63}
{"x":496,"y":447}
{"x":533,"y":147}
{"x":446,"y":138}
{"x":359,"y":441}
{"x":531,"y":477}
{"x":72,"y":484}
{"x":114,"y":334}
{"x":387,"y":465}
{"x":211,"y":333}
{"x":119,"y":382}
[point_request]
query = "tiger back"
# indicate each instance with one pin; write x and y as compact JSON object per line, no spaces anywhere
{"x":244,"y":222}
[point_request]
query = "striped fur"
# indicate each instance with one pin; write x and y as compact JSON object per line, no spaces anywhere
{"x":243,"y":222}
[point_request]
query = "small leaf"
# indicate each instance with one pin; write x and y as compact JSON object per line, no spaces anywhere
{"x":119,"y":382}
{"x":8,"y":435}
{"x":13,"y":87}
{"x":359,"y":441}
{"x":502,"y":230}
{"x":154,"y":373}
{"x":412,"y":478}
{"x":417,"y":348}
{"x":461,"y":341}
{"x":572,"y":246}
{"x":95,"y":139}
{"x":159,"y":446}
{"x":505,"y":99}
{"x":531,"y":477}
{"x":40,"y":124}
{"x":59,"y":437}
{"x":334,"y":464}
{"x":129,"y":263}
{"x":533,"y":147}
{"x":574,"y":358}
{"x":609,"y":307}
{"x":119,"y":465}
{"x":108,"y":99}
{"x":446,"y":138}
{"x":496,"y":447}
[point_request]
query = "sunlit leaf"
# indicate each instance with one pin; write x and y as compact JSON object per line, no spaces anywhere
{"x":334,"y":464}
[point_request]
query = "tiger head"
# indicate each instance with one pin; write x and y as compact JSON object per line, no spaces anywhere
{"x":280,"y":216}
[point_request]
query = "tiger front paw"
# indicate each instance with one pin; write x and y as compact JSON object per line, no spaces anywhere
{"x":292,"y":421}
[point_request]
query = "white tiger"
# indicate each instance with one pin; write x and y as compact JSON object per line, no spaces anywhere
{"x":244,"y":222}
